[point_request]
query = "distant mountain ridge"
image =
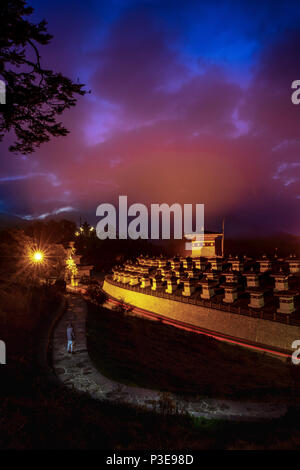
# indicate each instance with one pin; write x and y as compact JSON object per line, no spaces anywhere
{"x":11,"y":221}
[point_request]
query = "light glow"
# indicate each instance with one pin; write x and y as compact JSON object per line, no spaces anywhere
{"x":38,"y":256}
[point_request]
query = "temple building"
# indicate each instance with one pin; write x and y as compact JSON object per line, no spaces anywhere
{"x":210,"y":247}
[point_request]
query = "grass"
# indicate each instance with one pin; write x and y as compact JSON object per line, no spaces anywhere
{"x":150,"y":354}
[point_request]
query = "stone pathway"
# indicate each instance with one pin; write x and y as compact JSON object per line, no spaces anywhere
{"x":78,"y":372}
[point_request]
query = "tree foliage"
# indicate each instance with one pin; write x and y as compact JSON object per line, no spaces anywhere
{"x":52,"y":231}
{"x":17,"y":264}
{"x":96,"y":294}
{"x":35,"y":96}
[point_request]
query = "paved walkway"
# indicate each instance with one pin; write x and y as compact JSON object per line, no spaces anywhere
{"x":77,"y":371}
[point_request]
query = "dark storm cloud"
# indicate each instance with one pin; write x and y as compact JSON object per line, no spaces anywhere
{"x":171,"y":118}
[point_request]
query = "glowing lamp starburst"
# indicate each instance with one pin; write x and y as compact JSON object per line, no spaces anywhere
{"x":37,"y":256}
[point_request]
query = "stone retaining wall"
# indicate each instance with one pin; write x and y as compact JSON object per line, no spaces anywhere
{"x":266,"y":332}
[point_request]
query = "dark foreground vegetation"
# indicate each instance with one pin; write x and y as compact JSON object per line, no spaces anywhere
{"x":151,"y":354}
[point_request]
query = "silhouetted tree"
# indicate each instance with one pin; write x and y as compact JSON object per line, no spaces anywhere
{"x":35,"y":96}
{"x":96,"y":294}
{"x":52,"y":231}
{"x":17,"y":263}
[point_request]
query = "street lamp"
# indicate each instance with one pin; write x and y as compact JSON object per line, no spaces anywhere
{"x":38,"y":256}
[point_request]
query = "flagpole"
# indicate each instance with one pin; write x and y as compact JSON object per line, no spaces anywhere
{"x":223,"y":227}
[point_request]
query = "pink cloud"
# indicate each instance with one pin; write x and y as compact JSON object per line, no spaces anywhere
{"x":179,"y":144}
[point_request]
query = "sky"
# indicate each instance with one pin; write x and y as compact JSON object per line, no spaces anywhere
{"x":190,"y":103}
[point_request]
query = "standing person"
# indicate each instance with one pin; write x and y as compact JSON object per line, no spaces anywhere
{"x":70,"y":337}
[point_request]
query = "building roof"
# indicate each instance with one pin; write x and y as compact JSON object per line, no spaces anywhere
{"x":207,"y":234}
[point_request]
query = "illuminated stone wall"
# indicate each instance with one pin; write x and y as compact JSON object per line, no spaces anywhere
{"x":253,"y":329}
